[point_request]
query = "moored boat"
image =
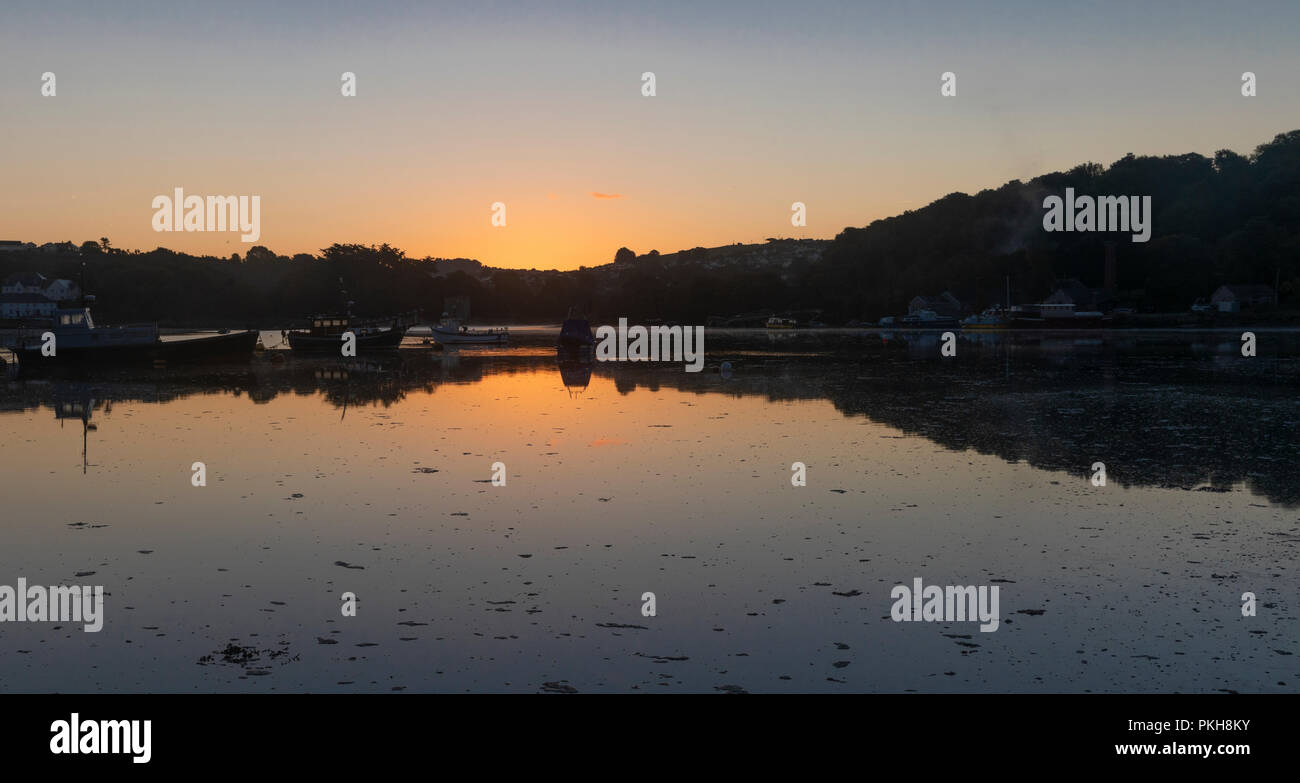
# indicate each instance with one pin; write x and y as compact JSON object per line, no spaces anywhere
{"x":77,"y":339}
{"x":326,"y":334}
{"x":231,"y":345}
{"x":1056,"y":316}
{"x":992,"y":318}
{"x":450,"y":331}
{"x":776,"y":322}
{"x":927,"y":319}
{"x":575,"y":333}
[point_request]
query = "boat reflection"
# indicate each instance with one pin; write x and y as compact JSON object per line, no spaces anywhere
{"x":575,"y":371}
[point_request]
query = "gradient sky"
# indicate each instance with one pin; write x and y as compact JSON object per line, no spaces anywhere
{"x":759,"y":104}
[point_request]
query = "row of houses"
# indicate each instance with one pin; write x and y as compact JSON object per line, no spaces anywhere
{"x":14,"y":246}
{"x":32,"y":295}
{"x":1230,"y":297}
{"x":1066,"y":292}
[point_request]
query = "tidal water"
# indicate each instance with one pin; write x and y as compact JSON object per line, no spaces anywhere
{"x":373,"y":476}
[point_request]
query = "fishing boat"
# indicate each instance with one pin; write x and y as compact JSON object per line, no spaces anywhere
{"x":77,"y":339}
{"x":927,"y":319}
{"x":326,"y":333}
{"x":776,"y":322}
{"x":575,"y":334}
{"x":1056,"y":315}
{"x":992,"y":318}
{"x":450,"y":331}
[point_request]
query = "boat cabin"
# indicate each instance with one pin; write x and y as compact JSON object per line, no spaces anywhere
{"x":75,"y":328}
{"x":1056,"y":309}
{"x":74,"y":319}
{"x":329,"y":325}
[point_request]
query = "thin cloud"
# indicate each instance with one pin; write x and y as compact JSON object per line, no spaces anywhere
{"x":606,"y":195}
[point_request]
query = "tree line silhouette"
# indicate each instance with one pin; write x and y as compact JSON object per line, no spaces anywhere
{"x":1229,"y":218}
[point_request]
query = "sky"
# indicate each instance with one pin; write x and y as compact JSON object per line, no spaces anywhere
{"x":539,"y":106}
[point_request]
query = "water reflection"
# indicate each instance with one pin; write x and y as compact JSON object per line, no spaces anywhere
{"x":374,"y":476}
{"x":1158,"y":409}
{"x":576,"y":375}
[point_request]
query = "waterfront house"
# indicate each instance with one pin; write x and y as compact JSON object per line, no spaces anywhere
{"x":1232,"y":297}
{"x":944,"y":305}
{"x":26,"y":305}
{"x":62,"y":291}
{"x":1084,"y":299}
{"x":33,"y":283}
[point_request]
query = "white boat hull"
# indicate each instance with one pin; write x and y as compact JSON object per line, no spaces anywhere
{"x":450,"y":337}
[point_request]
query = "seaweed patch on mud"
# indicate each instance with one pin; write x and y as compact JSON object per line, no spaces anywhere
{"x":255,"y":662}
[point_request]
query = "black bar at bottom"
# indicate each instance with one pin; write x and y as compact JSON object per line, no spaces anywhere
{"x":325,"y":734}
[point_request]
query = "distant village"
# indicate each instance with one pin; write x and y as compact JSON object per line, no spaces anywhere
{"x":1227,"y":298}
{"x":27,"y":295}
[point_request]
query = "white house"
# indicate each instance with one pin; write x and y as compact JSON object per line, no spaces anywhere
{"x":26,"y":306}
{"x":27,"y":294}
{"x":945,"y":305}
{"x":1232,"y":297}
{"x":62,"y":291}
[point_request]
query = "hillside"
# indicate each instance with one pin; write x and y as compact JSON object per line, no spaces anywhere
{"x":1226,"y":219}
{"x":1229,"y":218}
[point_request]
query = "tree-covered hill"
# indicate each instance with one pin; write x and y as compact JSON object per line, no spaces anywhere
{"x":1227,"y":219}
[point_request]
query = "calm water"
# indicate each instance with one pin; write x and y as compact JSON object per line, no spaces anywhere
{"x":373,"y":477}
